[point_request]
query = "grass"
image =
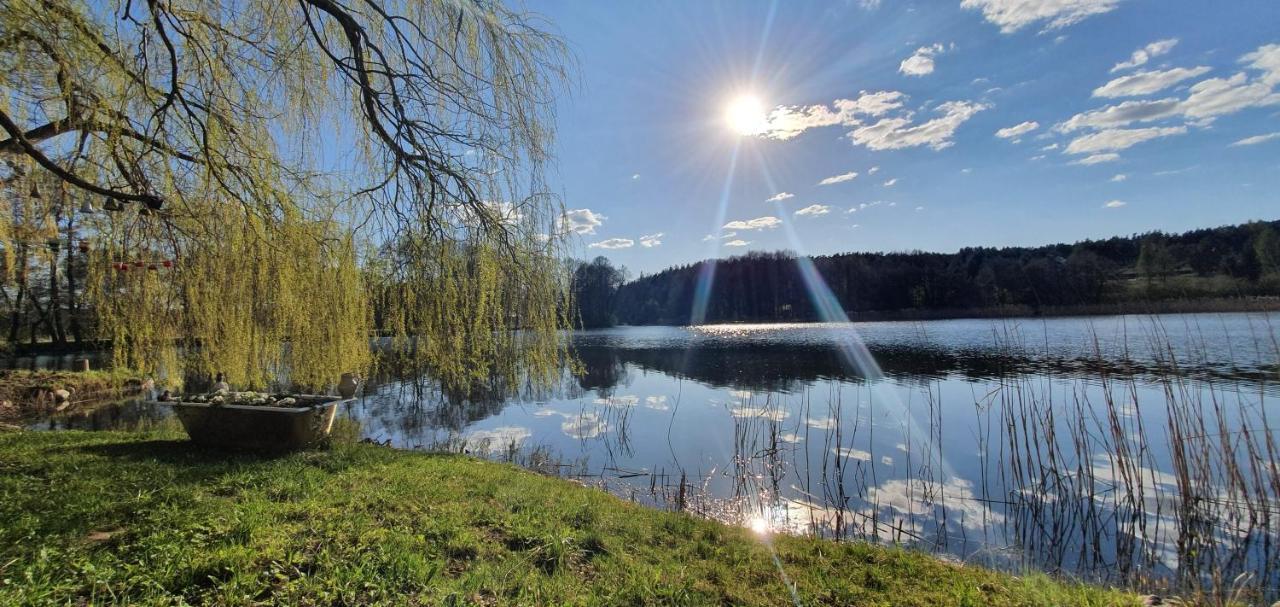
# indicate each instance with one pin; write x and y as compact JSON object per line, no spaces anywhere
{"x":144,"y":518}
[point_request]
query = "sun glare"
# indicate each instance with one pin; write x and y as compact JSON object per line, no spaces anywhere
{"x":746,"y":116}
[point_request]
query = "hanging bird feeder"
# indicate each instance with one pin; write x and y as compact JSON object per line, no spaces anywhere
{"x":168,"y":263}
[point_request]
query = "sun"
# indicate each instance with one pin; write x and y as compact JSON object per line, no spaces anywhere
{"x":746,"y":116}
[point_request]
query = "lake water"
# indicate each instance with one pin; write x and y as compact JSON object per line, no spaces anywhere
{"x":1131,"y":449}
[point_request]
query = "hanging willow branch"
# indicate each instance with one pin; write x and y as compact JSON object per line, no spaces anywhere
{"x":425,"y":123}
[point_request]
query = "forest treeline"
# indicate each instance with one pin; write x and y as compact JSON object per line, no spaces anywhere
{"x":1214,"y":263}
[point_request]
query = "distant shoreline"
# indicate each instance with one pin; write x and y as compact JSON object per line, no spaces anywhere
{"x":1186,"y":306}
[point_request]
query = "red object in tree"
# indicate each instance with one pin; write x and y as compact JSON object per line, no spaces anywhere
{"x":152,"y":267}
{"x":138,"y":264}
{"x":124,"y":267}
{"x":168,"y":263}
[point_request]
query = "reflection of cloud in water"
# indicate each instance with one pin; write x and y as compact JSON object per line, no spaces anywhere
{"x":802,"y":516}
{"x":921,"y":497}
{"x":886,"y":460}
{"x":1104,"y":471}
{"x":657,"y":403}
{"x":546,"y":412}
{"x":496,"y":440}
{"x":822,"y":423}
{"x":852,"y":453}
{"x":776,"y":415}
{"x":790,"y":437}
{"x":587,"y":425}
{"x":628,"y":400}
{"x":742,"y":394}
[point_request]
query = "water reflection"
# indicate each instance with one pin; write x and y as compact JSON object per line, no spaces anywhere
{"x":1095,"y":447}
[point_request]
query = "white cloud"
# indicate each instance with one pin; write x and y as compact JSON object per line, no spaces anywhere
{"x":1119,"y":177}
{"x":1013,"y":15}
{"x":635,"y":176}
{"x":919,"y":208}
{"x":613,"y":243}
{"x":1114,"y":140}
{"x":838,"y":178}
{"x":780,"y":196}
{"x":888,"y":133}
{"x":873,"y":170}
{"x":1122,"y":114}
{"x":1217,"y":96}
{"x":1018,"y":130}
{"x":867,"y":205}
{"x":897,"y":133}
{"x":920,"y":63}
{"x":785,"y":122}
{"x":710,"y":237}
{"x":1146,"y":83}
{"x":1267,"y":59}
{"x":582,"y":221}
{"x":891,"y":182}
{"x":1146,"y":53}
{"x":651,"y":240}
{"x":1205,"y":100}
{"x":767,"y":222}
{"x":1256,"y":139}
{"x":737,"y":243}
{"x":1049,"y":148}
{"x":1097,"y":159}
{"x":814,"y":210}
{"x":1114,"y":204}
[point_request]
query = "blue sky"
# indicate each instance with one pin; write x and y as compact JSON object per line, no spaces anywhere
{"x":966,"y":122}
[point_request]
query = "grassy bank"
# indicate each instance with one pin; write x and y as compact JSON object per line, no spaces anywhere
{"x":114,"y":518}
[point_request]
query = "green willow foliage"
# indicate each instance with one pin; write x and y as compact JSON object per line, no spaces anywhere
{"x":300,"y":165}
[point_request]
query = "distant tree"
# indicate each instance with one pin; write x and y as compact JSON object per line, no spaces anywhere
{"x":1266,"y":246}
{"x":1154,"y":259}
{"x":1088,"y":274}
{"x":595,"y":285}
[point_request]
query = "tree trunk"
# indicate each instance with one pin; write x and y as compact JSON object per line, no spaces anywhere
{"x":15,"y":321}
{"x":73,"y":305}
{"x":56,"y":332}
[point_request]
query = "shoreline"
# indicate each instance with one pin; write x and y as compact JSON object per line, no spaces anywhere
{"x":1171,"y":307}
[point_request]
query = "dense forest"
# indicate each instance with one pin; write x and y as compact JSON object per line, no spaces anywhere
{"x":1209,"y":264}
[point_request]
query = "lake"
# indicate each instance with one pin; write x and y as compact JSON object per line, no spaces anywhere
{"x":1137,"y":450}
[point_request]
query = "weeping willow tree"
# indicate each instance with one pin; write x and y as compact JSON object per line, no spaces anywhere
{"x":257,"y":160}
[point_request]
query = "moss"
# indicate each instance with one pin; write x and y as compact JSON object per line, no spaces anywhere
{"x":112,"y":518}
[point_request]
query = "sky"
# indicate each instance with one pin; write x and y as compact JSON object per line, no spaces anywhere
{"x":706,"y":129}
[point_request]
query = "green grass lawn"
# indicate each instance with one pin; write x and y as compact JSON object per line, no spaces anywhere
{"x":144,"y":518}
